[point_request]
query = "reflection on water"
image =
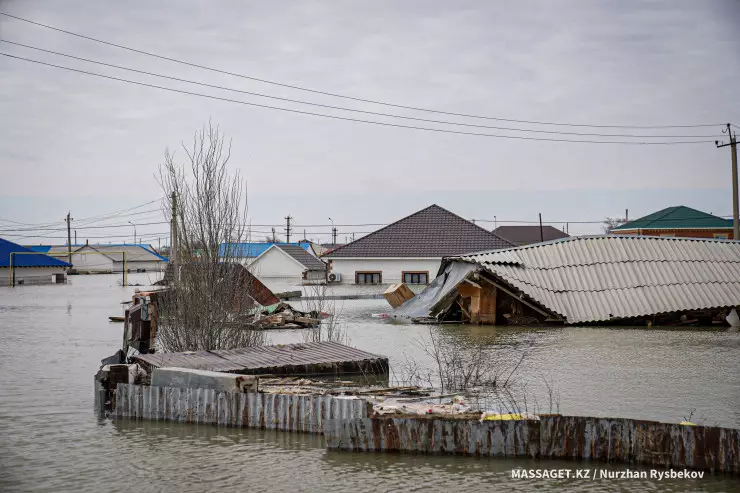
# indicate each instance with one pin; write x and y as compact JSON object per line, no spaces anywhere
{"x":53,"y":338}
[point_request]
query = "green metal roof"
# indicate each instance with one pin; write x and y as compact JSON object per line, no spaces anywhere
{"x":678,"y":217}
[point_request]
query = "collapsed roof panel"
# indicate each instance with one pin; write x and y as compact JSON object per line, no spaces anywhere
{"x":602,"y":278}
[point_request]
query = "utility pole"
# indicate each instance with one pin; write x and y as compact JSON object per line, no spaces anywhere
{"x":304,"y":235}
{"x":333,"y":236}
{"x":75,"y":236}
{"x":542,"y":235}
{"x":173,"y":236}
{"x":353,"y":237}
{"x":287,"y":228}
{"x":626,"y":215}
{"x":735,"y":207}
{"x":69,"y":237}
{"x":132,"y":224}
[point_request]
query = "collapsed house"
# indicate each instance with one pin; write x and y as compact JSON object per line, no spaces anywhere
{"x":587,"y":280}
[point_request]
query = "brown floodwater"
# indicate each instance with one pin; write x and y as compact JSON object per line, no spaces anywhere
{"x":53,"y":338}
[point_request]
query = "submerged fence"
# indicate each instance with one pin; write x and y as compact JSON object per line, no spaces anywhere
{"x":346,"y":426}
{"x":554,"y":437}
{"x":303,"y":413}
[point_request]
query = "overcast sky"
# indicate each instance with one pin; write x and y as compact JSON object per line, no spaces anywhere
{"x":80,"y":143}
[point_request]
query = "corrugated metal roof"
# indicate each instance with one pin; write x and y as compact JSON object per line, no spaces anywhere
{"x":134,"y":253}
{"x":261,"y":357}
{"x":23,"y":257}
{"x":597,"y":278}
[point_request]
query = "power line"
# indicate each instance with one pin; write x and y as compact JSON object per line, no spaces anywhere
{"x":119,"y":212}
{"x":334,"y":117}
{"x":326,"y":93}
{"x":375,"y":113}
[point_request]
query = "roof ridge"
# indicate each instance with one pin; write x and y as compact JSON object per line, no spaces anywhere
{"x":383,"y":228}
{"x":406,"y":218}
{"x":666,"y":212}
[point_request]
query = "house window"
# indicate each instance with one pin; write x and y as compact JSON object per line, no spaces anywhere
{"x":368,"y":278}
{"x":722,"y":236}
{"x":416,"y":277}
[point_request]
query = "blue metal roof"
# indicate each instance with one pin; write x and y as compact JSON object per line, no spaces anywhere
{"x":25,"y":260}
{"x":252,"y":250}
{"x":40,"y":248}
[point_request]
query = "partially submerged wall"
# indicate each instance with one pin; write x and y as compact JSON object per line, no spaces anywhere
{"x":555,"y":437}
{"x":302,"y":413}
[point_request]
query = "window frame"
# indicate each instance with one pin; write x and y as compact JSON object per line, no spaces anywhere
{"x":411,"y":272}
{"x":359,"y":273}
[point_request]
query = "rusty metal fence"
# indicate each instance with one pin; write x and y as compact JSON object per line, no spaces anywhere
{"x":299,"y":413}
{"x":555,"y":437}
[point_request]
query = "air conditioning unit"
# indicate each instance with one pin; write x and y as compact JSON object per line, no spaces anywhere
{"x":335,"y":277}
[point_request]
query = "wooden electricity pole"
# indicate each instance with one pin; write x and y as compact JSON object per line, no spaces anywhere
{"x":735,"y":207}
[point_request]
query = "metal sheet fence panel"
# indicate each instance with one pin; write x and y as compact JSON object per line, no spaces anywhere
{"x":462,"y":437}
{"x":305,"y":413}
{"x":555,"y":437}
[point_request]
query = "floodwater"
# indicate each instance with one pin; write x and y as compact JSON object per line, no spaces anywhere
{"x":53,"y":338}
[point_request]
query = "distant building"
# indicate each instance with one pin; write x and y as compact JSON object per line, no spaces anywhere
{"x":29,"y":267}
{"x":281,"y":261}
{"x":526,"y":235}
{"x":249,"y":251}
{"x":679,"y":221}
{"x":330,"y":247}
{"x":108,"y":258}
{"x":410,"y":250}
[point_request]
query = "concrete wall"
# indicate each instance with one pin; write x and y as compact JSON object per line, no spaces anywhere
{"x":30,"y":275}
{"x":275,"y":263}
{"x":391,"y":268}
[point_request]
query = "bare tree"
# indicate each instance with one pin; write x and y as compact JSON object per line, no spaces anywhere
{"x":319,"y":304}
{"x":611,"y":223}
{"x":211,"y":295}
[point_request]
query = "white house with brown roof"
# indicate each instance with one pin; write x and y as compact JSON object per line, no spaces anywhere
{"x":409,"y":250}
{"x":281,"y":261}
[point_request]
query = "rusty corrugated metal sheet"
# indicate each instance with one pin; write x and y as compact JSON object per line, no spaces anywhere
{"x":265,"y":357}
{"x":251,"y":410}
{"x":554,"y":437}
{"x":423,"y":435}
{"x":599,"y":278}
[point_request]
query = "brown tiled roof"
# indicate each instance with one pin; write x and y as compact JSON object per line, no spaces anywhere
{"x":431,"y":232}
{"x":298,"y":253}
{"x":526,"y":235}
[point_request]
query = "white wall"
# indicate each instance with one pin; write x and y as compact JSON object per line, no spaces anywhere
{"x":146,"y":265}
{"x":391,"y":268}
{"x":91,"y":262}
{"x":29,"y":275}
{"x":276,"y":263}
